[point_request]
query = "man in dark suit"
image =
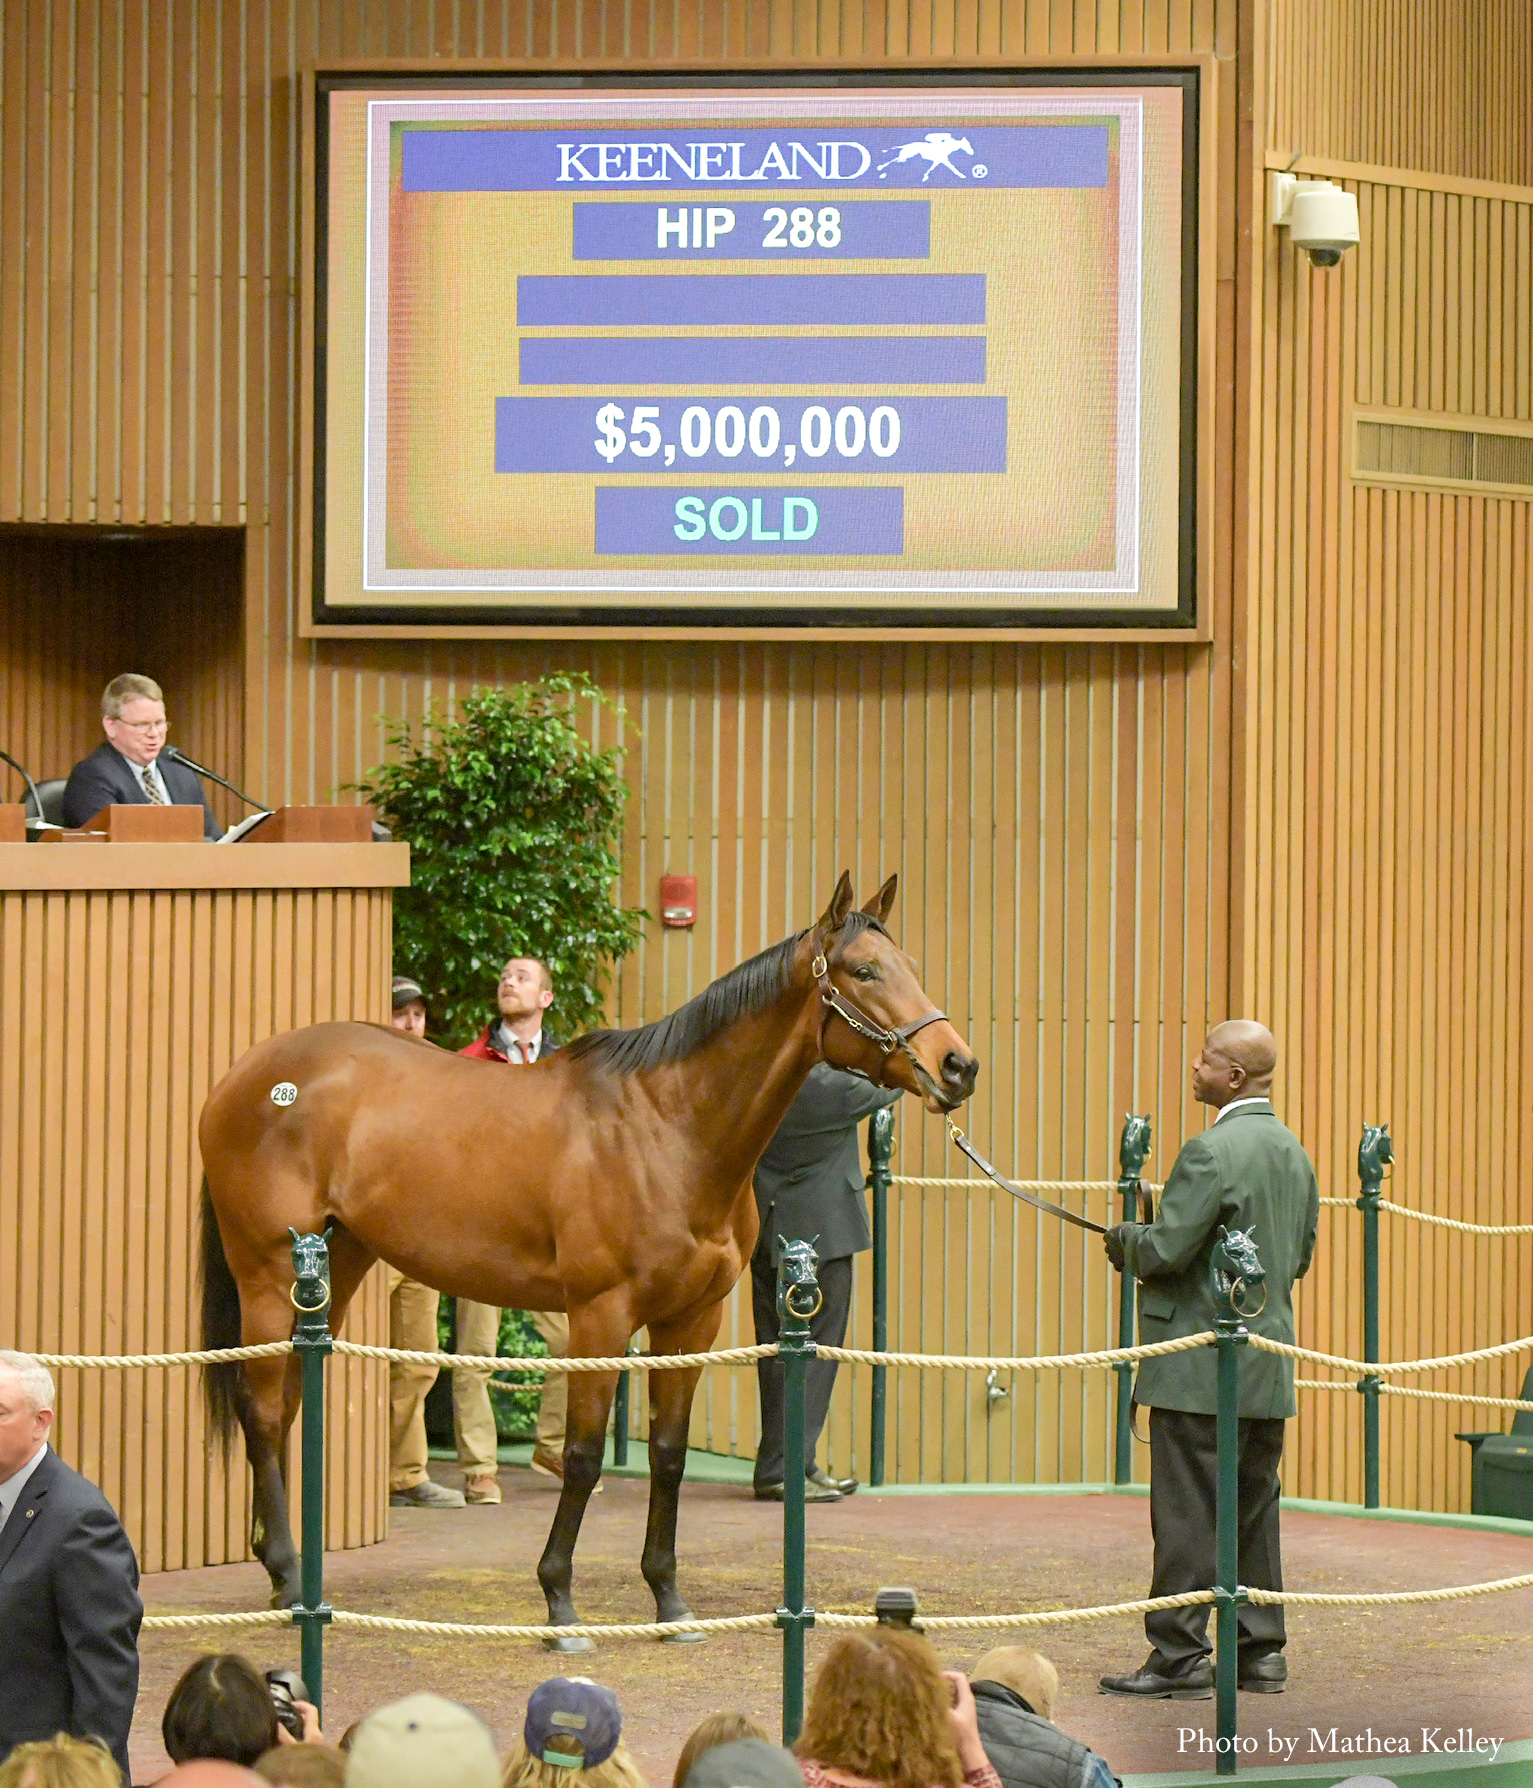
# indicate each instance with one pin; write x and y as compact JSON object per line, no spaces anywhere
{"x":809,"y":1188}
{"x":1246,"y":1171}
{"x":128,"y":769}
{"x":69,"y":1607}
{"x":517,"y":1035}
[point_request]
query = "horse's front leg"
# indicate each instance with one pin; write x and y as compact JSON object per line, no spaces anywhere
{"x":594,"y":1333}
{"x":670,"y":1421}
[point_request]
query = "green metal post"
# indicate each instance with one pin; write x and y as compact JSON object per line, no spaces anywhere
{"x":1133,"y":1152}
{"x":1374,"y":1154}
{"x":798,"y":1298}
{"x":880,"y":1163}
{"x":311,"y":1342}
{"x":1231,"y":1336}
{"x":620,"y":1416}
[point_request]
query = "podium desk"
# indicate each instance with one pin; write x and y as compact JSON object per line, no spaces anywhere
{"x":131,"y":978}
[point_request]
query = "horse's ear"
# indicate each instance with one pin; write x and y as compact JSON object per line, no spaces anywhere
{"x":882,"y":903}
{"x":834,"y":916}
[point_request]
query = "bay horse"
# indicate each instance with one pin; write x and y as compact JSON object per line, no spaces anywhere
{"x":611,"y":1179}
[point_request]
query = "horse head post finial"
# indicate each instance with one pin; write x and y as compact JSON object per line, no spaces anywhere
{"x":311,"y":1278}
{"x":1235,"y":1267}
{"x":798,"y":1286}
{"x":1374,"y":1153}
{"x":1133,"y":1147}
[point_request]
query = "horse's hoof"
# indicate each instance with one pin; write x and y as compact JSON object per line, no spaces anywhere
{"x":567,"y":1642}
{"x":684,"y":1638}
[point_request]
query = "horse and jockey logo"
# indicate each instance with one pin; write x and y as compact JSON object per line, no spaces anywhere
{"x":936,"y":149}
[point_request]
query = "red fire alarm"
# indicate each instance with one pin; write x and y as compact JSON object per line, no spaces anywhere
{"x":678,"y":901}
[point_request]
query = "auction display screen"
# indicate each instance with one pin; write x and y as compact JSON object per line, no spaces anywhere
{"x":914,"y":355}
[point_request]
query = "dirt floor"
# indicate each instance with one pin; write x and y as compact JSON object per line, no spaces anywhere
{"x":1458,"y":1665}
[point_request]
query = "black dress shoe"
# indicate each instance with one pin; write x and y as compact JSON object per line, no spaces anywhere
{"x":813,"y":1492}
{"x":1266,"y":1675}
{"x":1193,"y":1684}
{"x":841,"y":1486}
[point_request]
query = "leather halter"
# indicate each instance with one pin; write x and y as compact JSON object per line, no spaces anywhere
{"x":887,"y":1038}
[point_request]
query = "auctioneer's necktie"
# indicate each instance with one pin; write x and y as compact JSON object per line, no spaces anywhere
{"x":154,"y":788}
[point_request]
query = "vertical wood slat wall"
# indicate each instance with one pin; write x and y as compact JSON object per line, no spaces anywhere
{"x":1386,"y":897}
{"x":148,"y":304}
{"x":106,"y":1000}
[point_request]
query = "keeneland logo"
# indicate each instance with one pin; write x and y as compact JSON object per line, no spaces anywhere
{"x":713,"y":164}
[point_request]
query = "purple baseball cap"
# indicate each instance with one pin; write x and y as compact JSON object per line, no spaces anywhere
{"x":572,"y":1708}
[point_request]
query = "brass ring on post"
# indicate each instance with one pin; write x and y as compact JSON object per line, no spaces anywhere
{"x":308,"y":1309}
{"x":803,"y":1315}
{"x":1236,"y":1287}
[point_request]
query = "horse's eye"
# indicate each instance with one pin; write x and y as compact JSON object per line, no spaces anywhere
{"x":865,"y":971}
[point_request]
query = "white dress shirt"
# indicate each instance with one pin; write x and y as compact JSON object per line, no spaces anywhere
{"x":11,"y":1490}
{"x":141,"y":774}
{"x":522,"y":1050}
{"x":1235,"y":1104}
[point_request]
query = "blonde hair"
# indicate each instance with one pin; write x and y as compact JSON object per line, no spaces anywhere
{"x":718,"y":1729}
{"x":60,"y":1762}
{"x":523,"y":1770}
{"x":129,"y":687}
{"x":1025,"y":1672}
{"x":880,"y":1707}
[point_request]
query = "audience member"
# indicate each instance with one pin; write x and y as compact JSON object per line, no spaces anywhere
{"x":718,"y":1729}
{"x":1016,"y":1690}
{"x":747,"y":1763}
{"x":423,"y":1741}
{"x":69,"y":1607}
{"x":516,"y":1035}
{"x":883,"y":1711}
{"x":303,"y":1766}
{"x":60,"y":1762}
{"x":222,"y":1708}
{"x":128,"y":767}
{"x":571,"y":1738}
{"x":412,"y":1326}
{"x":210,"y":1772}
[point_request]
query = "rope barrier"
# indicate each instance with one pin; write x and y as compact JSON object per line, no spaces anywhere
{"x":618,"y":1362}
{"x":763,"y":1623}
{"x":1405,"y":1390}
{"x":174,"y":1623}
{"x":1367,"y":1369}
{"x":1108,"y":1356}
{"x":213,"y":1356}
{"x":653,"y":1629}
{"x":1395,"y":1598}
{"x":1404,"y":1210}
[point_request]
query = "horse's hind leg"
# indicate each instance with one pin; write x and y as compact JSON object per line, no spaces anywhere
{"x":670,"y":1420}
{"x":269,"y":1400}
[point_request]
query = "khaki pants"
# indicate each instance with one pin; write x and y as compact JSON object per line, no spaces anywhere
{"x":473,"y":1418}
{"x":412,"y":1325}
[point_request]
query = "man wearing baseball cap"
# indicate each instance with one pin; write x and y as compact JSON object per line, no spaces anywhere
{"x":412,"y":1325}
{"x":423,"y":1741}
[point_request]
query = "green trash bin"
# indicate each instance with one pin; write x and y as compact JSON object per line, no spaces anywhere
{"x":1502,"y":1482}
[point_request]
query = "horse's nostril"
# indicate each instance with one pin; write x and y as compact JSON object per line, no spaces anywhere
{"x":959,"y":1069}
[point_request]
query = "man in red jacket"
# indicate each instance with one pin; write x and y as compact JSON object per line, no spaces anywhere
{"x":517,"y":1036}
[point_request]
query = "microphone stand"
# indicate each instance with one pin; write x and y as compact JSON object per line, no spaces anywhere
{"x":180,"y":757}
{"x":38,"y":824}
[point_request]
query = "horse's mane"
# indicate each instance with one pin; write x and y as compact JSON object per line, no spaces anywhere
{"x":754,"y":984}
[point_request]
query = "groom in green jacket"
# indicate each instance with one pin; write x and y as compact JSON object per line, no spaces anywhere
{"x":1246,"y":1171}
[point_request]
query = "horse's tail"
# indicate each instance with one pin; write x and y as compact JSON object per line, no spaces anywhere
{"x":220,"y":1327}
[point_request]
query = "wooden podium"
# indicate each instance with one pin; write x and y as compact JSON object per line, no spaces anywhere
{"x":131,"y":978}
{"x":13,"y":823}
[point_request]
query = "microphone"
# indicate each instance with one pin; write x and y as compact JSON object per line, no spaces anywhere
{"x":180,"y":757}
{"x":38,"y":823}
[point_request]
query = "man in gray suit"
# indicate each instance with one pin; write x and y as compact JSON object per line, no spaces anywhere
{"x":809,"y":1188}
{"x":1246,"y":1171}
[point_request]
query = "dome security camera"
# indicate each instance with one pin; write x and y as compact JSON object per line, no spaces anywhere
{"x":1321,"y":217}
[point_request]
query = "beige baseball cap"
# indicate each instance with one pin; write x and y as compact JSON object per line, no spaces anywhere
{"x":423,"y":1741}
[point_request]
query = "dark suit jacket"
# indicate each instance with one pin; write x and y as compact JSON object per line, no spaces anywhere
{"x":69,"y":1615}
{"x":1247,"y":1171}
{"x":809,"y":1181}
{"x":105,"y":779}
